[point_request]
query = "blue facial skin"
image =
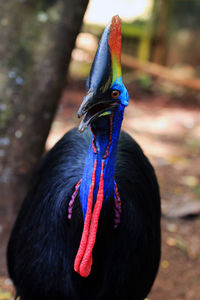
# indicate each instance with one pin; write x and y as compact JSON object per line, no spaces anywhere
{"x":101,"y":130}
{"x":124,"y":96}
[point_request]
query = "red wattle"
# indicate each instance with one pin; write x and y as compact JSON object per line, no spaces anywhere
{"x":83,"y":261}
{"x":84,"y":237}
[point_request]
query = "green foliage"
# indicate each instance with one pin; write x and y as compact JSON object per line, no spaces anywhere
{"x":79,"y":69}
{"x":145,"y":81}
{"x":5,"y":295}
{"x":135,"y":29}
{"x":197,"y":191}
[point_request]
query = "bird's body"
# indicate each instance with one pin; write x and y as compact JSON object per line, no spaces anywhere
{"x":44,"y":242}
{"x":105,"y":244}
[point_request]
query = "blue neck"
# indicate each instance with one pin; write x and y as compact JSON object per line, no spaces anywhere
{"x":103,"y":147}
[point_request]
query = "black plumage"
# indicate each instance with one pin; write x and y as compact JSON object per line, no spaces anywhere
{"x":90,"y":256}
{"x":44,"y":243}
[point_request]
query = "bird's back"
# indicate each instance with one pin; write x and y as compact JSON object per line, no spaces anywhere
{"x":44,"y":242}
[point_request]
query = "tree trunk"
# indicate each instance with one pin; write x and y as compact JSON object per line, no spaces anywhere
{"x":161,"y":9}
{"x":36,"y":40}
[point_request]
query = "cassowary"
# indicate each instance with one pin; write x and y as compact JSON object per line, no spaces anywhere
{"x":89,"y":228}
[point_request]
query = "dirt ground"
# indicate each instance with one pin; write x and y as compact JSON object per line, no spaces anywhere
{"x":169,"y":133}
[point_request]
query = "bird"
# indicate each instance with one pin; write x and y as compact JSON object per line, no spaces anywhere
{"x":89,"y":227}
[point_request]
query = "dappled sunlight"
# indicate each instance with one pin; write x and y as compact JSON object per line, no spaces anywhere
{"x":160,"y":131}
{"x":86,"y":41}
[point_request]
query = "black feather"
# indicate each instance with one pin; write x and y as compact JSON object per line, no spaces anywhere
{"x":44,"y":243}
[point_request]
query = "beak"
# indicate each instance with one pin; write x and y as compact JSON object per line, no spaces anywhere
{"x":105,"y":70}
{"x":103,"y":108}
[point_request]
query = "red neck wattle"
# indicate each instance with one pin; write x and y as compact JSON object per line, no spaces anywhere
{"x":83,"y":260}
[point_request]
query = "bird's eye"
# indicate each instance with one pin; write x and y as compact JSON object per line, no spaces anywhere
{"x":115,"y":94}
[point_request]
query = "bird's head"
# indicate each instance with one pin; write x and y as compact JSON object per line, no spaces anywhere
{"x":106,"y":92}
{"x":103,"y":108}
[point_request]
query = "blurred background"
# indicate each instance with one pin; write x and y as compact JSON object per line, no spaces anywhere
{"x":46,"y":50}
